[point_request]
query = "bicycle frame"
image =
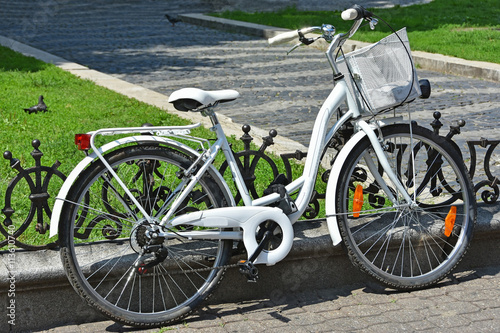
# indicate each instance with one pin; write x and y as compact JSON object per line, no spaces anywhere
{"x":319,"y":139}
{"x":305,"y":183}
{"x":151,"y":226}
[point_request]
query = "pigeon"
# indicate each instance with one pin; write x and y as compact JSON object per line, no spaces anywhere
{"x":40,"y":107}
{"x":172,"y":19}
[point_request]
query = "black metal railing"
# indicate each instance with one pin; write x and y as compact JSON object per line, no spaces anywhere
{"x":32,"y":185}
{"x":38,"y":182}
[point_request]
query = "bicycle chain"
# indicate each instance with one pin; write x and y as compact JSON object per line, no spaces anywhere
{"x":201,"y":269}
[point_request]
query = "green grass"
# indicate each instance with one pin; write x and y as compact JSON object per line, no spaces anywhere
{"x":75,"y":106}
{"x":460,"y":28}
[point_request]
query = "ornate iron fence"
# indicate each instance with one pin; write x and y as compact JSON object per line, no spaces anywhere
{"x":37,"y":181}
{"x":31,"y":184}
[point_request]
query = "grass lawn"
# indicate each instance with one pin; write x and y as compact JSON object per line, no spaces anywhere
{"x":75,"y":106}
{"x":460,"y":28}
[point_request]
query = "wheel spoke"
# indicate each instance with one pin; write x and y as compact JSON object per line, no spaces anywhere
{"x":405,"y":246}
{"x":111,"y":254}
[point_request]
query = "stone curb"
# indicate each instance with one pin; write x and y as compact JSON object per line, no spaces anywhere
{"x":428,"y":61}
{"x":46,"y":299}
{"x":151,"y":97}
{"x":44,"y":291}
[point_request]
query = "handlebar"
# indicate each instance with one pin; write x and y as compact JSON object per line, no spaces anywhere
{"x":356,"y":12}
{"x":290,"y":35}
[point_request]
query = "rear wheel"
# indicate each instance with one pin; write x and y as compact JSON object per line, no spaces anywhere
{"x":108,"y":248}
{"x":403,"y":246}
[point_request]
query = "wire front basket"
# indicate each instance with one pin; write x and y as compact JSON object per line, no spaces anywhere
{"x":381,"y":76}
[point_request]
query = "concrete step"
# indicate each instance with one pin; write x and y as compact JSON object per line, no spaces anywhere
{"x":424,"y":60}
{"x":44,"y":298}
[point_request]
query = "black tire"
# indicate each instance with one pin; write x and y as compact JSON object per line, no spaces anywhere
{"x":102,"y":233}
{"x":406,"y":247}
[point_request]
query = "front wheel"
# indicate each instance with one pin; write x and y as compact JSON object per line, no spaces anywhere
{"x":110,"y":255}
{"x":406,"y":246}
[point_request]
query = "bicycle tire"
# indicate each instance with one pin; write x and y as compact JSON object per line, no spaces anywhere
{"x":102,"y":234}
{"x":407,"y":248}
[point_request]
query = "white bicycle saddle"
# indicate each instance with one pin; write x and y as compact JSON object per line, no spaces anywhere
{"x":190,"y":99}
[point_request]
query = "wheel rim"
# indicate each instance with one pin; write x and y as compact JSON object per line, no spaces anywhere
{"x":407,"y":245}
{"x":105,"y":259}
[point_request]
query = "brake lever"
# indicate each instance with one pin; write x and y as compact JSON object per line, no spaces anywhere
{"x":293,"y":48}
{"x":303,"y":40}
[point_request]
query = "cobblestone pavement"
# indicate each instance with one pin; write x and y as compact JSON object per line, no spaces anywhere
{"x":467,"y":302}
{"x":131,"y":40}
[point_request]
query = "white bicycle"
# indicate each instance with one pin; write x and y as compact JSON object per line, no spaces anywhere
{"x":147,"y":224}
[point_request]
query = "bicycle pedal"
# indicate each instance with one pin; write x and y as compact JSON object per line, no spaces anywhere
{"x":248,"y":269}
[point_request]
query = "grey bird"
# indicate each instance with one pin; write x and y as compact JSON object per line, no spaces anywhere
{"x":40,"y":107}
{"x":172,"y":19}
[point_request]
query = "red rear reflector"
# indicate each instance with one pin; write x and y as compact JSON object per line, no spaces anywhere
{"x":449,"y":222}
{"x":358,"y":201}
{"x":82,"y":141}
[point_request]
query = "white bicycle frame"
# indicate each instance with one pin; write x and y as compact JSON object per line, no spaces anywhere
{"x":249,"y":217}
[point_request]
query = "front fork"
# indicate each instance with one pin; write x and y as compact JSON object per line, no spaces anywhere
{"x":382,"y":159}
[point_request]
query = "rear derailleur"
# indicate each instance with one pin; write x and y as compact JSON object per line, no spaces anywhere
{"x":160,"y":253}
{"x":145,"y":241}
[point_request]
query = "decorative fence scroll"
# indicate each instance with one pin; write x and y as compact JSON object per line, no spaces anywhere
{"x":38,"y":185}
{"x":35,"y":185}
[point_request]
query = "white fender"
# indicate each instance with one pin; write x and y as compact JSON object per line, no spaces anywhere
{"x":248,"y":218}
{"x":63,"y":192}
{"x":331,"y":188}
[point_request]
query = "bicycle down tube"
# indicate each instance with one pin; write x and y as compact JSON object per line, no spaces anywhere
{"x":305,"y":183}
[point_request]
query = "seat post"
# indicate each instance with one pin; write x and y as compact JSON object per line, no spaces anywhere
{"x":209,"y":112}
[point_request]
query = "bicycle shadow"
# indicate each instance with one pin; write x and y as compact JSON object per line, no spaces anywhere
{"x":365,"y":299}
{"x":290,"y":302}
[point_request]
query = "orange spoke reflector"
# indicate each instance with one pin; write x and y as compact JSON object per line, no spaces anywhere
{"x":358,"y":201}
{"x":449,"y":222}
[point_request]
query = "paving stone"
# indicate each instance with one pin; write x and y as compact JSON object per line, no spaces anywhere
{"x":361,"y":310}
{"x":131,"y":40}
{"x":242,"y":326}
{"x":448,"y":321}
{"x":319,"y":307}
{"x":422,"y":326}
{"x":492,"y":304}
{"x":403,"y":316}
{"x":482,"y":326}
{"x":415,"y":302}
{"x":390,"y":327}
